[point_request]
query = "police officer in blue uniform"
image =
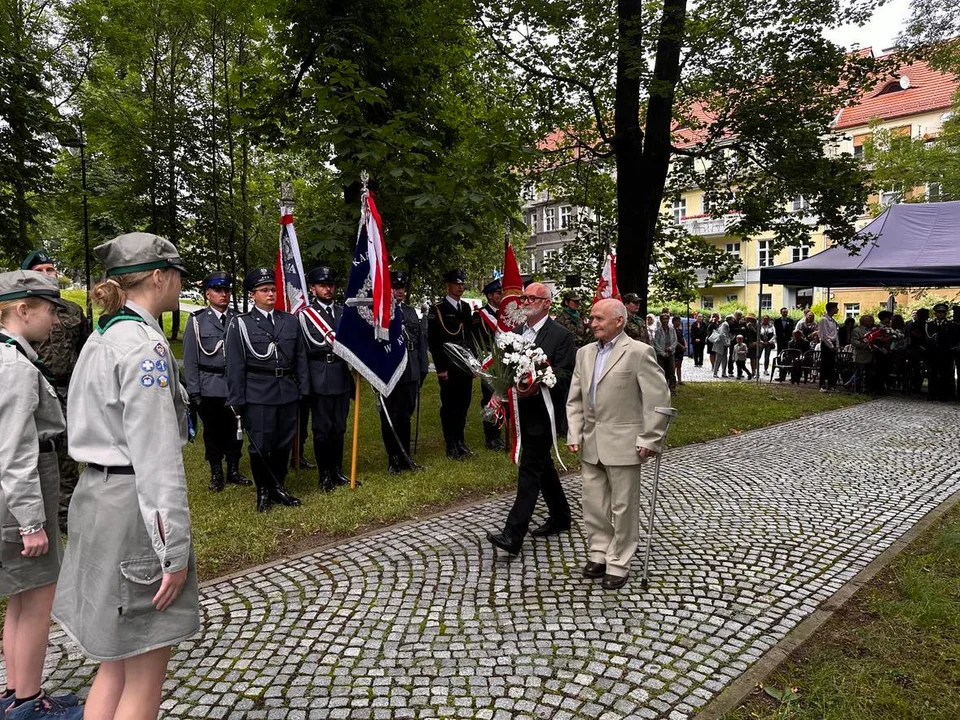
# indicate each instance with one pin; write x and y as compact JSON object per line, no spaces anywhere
{"x":401,"y":403}
{"x":204,"y":361}
{"x":484,"y":333}
{"x":331,"y":383}
{"x":449,"y":321}
{"x":266,"y":371}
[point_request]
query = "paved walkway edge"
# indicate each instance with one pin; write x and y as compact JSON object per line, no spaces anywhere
{"x":743,"y":686}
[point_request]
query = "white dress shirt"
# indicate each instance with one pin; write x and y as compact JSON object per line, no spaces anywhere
{"x":603,"y":352}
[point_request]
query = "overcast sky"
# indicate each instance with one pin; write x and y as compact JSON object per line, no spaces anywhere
{"x":880,"y":32}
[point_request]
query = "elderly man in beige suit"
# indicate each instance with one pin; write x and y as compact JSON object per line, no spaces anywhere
{"x":617,"y":384}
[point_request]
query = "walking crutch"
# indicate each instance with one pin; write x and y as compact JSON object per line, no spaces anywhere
{"x":671,"y":413}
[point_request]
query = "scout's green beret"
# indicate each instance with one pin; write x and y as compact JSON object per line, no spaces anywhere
{"x":138,"y":252}
{"x":37,"y":257}
{"x":20,"y":284}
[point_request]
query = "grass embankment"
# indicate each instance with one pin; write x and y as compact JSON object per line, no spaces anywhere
{"x":892,"y":652}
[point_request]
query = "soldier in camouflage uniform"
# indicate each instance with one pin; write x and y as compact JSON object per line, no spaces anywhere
{"x":636,"y":326}
{"x":59,"y":353}
{"x":570,"y":318}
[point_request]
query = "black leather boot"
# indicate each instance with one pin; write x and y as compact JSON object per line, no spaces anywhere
{"x":233,"y":472}
{"x":263,"y":482}
{"x":336,"y":463}
{"x":278,"y":492}
{"x":216,"y":477}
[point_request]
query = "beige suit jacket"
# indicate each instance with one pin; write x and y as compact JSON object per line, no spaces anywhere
{"x":630,"y":387}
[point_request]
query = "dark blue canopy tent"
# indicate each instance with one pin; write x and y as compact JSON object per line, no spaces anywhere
{"x":912,"y":245}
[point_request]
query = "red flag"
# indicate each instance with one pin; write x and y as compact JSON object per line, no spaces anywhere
{"x":291,"y":283}
{"x":379,"y":270}
{"x":607,"y":284}
{"x":508,"y":314}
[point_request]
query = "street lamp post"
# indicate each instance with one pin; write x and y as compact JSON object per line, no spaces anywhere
{"x":72,"y":146}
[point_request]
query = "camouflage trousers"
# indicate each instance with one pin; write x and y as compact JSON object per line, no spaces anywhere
{"x":69,"y":470}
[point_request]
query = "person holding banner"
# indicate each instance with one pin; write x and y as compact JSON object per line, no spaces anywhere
{"x":331,"y":383}
{"x":449,"y":322}
{"x":397,"y":408}
{"x":540,"y":424}
{"x":267,"y":374}
{"x":484,"y":331}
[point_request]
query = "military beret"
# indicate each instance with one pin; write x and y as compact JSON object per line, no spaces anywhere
{"x":218,"y":279}
{"x":37,"y":257}
{"x":571,"y":295}
{"x":940,"y":307}
{"x":20,"y":284}
{"x":259,"y":276}
{"x":631,"y":298}
{"x":138,"y":252}
{"x":398,"y":278}
{"x":322,"y":275}
{"x":492,"y":287}
{"x":455,"y":275}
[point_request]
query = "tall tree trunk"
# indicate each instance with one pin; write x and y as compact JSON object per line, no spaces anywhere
{"x":244,"y":174}
{"x":214,"y":149}
{"x":231,"y":150}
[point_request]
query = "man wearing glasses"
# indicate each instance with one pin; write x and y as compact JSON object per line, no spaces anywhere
{"x":203,"y":368}
{"x":449,"y":321}
{"x":537,"y":473}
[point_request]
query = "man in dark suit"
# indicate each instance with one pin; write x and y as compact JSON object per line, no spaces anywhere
{"x":537,"y":472}
{"x":204,"y":359}
{"x":267,"y":374}
{"x":698,"y":335}
{"x":449,"y":321}
{"x":331,"y":384}
{"x":401,"y":403}
{"x":783,"y":328}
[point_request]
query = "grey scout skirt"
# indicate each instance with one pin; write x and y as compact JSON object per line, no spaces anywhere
{"x":111,"y":573}
{"x":19,"y":573}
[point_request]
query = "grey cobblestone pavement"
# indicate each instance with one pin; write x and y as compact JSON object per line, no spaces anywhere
{"x":423,"y":621}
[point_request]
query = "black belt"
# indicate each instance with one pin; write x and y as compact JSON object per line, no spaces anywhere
{"x":46,"y":446}
{"x":212,"y":369}
{"x":275,"y":372}
{"x":113,"y":470}
{"x":325,"y":356}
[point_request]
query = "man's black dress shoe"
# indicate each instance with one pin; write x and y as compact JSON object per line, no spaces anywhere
{"x":304,"y":464}
{"x":464,"y":450}
{"x":503,"y":542}
{"x":613,"y":582}
{"x":550,"y":527}
{"x":454,"y":453}
{"x":594,"y":570}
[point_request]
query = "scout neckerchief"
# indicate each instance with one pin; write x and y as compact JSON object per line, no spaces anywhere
{"x":124,"y":313}
{"x":7,"y":340}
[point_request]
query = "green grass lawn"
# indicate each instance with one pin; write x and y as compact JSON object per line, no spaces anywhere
{"x":892,"y":652}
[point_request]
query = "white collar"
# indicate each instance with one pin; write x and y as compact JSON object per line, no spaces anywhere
{"x":603,"y":347}
{"x":266,"y":313}
{"x":453,"y":301}
{"x":539,"y":324}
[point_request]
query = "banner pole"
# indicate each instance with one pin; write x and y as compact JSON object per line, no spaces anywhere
{"x":356,"y":430}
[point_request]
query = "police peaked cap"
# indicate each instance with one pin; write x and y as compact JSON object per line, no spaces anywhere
{"x":940,"y":307}
{"x":218,"y":279}
{"x":399,"y":278}
{"x":37,"y":257}
{"x":22,"y":284}
{"x":138,"y":252}
{"x":259,"y":276}
{"x":492,"y":287}
{"x":455,"y":275}
{"x":322,"y":275}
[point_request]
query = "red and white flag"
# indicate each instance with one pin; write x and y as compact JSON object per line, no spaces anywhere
{"x":607,"y":284}
{"x":381,"y":295}
{"x":510,"y":312}
{"x":291,"y":281}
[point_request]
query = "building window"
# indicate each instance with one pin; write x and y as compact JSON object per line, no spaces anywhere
{"x":533,"y":223}
{"x":549,"y":219}
{"x":799,"y":253}
{"x":533,"y":262}
{"x":858,"y":151}
{"x":733,"y":248}
{"x":548,"y":255}
{"x":934,"y":192}
{"x":766,"y":301}
{"x":851,"y":310}
{"x":566,"y":217}
{"x":706,"y":302}
{"x":765,"y":253}
{"x":799,"y":204}
{"x":679,"y":210}
{"x":892,"y":196}
{"x":732,"y":298}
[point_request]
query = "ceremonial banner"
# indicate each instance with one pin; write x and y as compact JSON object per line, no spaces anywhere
{"x":607,"y":284}
{"x":370,"y":335}
{"x":510,"y":313}
{"x":291,"y":282}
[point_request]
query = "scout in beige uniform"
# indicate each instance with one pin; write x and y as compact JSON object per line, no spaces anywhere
{"x":128,"y":587}
{"x":31,"y":417}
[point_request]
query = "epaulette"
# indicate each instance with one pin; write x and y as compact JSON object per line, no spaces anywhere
{"x":198,"y":312}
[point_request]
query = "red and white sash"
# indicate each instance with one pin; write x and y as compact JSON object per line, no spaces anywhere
{"x":328,"y":334}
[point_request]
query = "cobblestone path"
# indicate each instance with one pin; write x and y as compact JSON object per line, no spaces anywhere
{"x":755,"y":531}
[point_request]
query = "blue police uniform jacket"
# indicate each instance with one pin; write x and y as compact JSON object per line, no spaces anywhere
{"x":204,"y":353}
{"x":329,"y":374}
{"x":259,"y":374}
{"x":415,"y":337}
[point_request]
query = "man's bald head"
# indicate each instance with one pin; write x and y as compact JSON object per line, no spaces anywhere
{"x":608,"y":318}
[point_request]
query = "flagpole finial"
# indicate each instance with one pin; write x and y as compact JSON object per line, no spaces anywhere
{"x":364,"y":179}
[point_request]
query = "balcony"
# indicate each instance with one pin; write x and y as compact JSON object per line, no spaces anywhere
{"x":739,"y":278}
{"x":706,"y":225}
